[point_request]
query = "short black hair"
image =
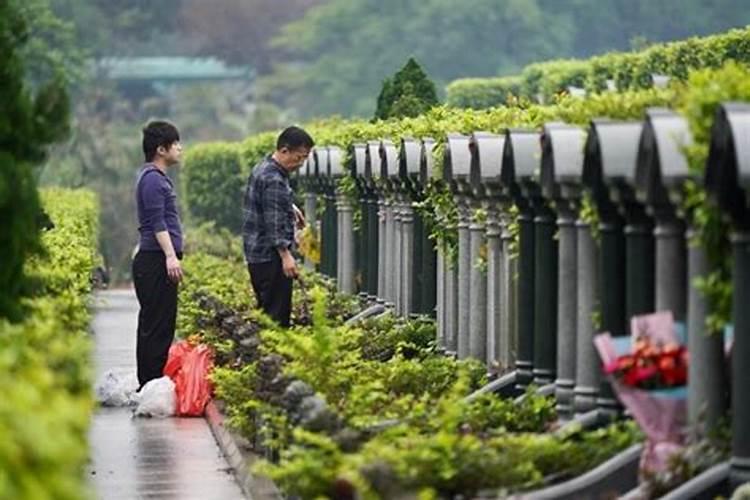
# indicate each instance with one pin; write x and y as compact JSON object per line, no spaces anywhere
{"x":158,"y":133}
{"x":294,"y":138}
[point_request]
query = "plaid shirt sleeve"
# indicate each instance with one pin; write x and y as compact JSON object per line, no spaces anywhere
{"x":277,"y":207}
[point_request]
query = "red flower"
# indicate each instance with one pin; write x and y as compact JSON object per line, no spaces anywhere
{"x":651,"y":366}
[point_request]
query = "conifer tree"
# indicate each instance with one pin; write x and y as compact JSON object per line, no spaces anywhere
{"x":408,"y":93}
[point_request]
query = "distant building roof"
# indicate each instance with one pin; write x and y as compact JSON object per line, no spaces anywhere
{"x":170,"y":69}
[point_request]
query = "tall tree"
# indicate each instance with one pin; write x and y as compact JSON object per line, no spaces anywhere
{"x":31,"y":117}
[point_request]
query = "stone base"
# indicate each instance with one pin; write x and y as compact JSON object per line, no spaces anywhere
{"x":240,"y":458}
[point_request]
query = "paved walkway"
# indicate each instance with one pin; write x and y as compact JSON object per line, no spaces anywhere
{"x":138,"y":458}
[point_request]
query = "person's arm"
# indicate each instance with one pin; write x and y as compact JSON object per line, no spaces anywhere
{"x":174,"y":269}
{"x":153,"y":201}
{"x":299,"y":217}
{"x":277,"y":205}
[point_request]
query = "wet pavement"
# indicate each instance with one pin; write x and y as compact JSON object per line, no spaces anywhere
{"x":143,"y":458}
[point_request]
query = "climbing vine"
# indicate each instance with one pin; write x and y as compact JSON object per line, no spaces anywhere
{"x":698,"y":100}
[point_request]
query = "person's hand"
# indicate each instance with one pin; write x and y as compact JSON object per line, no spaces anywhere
{"x":299,"y":217}
{"x":289,"y":265}
{"x":174,"y":269}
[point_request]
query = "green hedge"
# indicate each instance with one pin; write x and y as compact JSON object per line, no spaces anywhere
{"x":629,"y":70}
{"x":212,"y":183}
{"x":479,"y":93}
{"x":45,"y":374}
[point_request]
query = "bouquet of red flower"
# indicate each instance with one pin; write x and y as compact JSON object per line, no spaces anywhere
{"x":651,"y":365}
{"x":648,"y":372}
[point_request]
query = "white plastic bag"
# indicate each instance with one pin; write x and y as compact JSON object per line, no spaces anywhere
{"x":116,"y":389}
{"x":157,"y":398}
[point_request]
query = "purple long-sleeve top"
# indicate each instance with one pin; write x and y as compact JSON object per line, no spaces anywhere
{"x":157,"y":209}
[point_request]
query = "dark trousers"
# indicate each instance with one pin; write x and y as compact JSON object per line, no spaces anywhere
{"x":273,"y":289}
{"x":157,"y":296}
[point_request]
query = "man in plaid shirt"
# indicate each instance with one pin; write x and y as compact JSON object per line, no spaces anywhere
{"x":270,"y":218}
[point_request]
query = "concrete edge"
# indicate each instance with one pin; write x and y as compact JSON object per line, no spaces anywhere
{"x":710,"y":483}
{"x":618,"y":474}
{"x":254,"y":487}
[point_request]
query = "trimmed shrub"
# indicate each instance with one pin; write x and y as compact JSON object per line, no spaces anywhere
{"x":212,"y":183}
{"x":45,"y":373}
{"x":480,"y":93}
{"x":629,"y":70}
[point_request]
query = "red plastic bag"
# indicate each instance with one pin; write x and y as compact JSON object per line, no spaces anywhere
{"x":177,"y":352}
{"x":188,"y":366}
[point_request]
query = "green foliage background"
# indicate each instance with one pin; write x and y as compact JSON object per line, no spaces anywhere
{"x":212,"y":183}
{"x":45,"y":374}
{"x":628,"y":70}
{"x":343,"y":49}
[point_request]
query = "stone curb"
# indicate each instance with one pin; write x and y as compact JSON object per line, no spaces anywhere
{"x":253,"y":486}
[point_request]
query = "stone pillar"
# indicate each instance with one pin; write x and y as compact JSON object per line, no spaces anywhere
{"x":464,"y":280}
{"x":397,"y":249}
{"x":428,"y":283}
{"x":451,"y":306}
{"x":374,"y":248}
{"x":740,"y":461}
{"x":478,"y":293}
{"x":407,"y":260}
{"x":639,"y":275}
{"x":567,"y":310}
{"x":346,"y":246}
{"x":339,"y":241}
{"x":508,"y":334}
{"x":382,"y":246}
{"x":706,"y":380}
{"x":588,"y":365}
{"x":364,"y":245}
{"x":440,"y":309}
{"x":611,"y":295}
{"x":525,"y":360}
{"x":390,"y":254}
{"x":545,"y":297}
{"x":494,"y":273}
{"x":671,"y":289}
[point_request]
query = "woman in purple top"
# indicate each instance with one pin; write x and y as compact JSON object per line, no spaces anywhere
{"x":156,"y":266}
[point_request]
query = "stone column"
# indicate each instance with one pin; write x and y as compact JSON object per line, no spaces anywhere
{"x":670,"y":268}
{"x":525,"y":359}
{"x":451,"y":306}
{"x":407,"y":259}
{"x":567,"y":310}
{"x":364,"y":244}
{"x":339,"y":241}
{"x":494,"y":267}
{"x":397,"y":271}
{"x":706,"y":380}
{"x":346,"y":246}
{"x":507,"y":305}
{"x":382,"y":245}
{"x":588,"y":370}
{"x":740,"y":461}
{"x":639,"y":275}
{"x":440,"y":310}
{"x":374,"y":248}
{"x":428,"y":283}
{"x":390,"y":254}
{"x":464,"y":279}
{"x":478,"y":292}
{"x":545,"y":297}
